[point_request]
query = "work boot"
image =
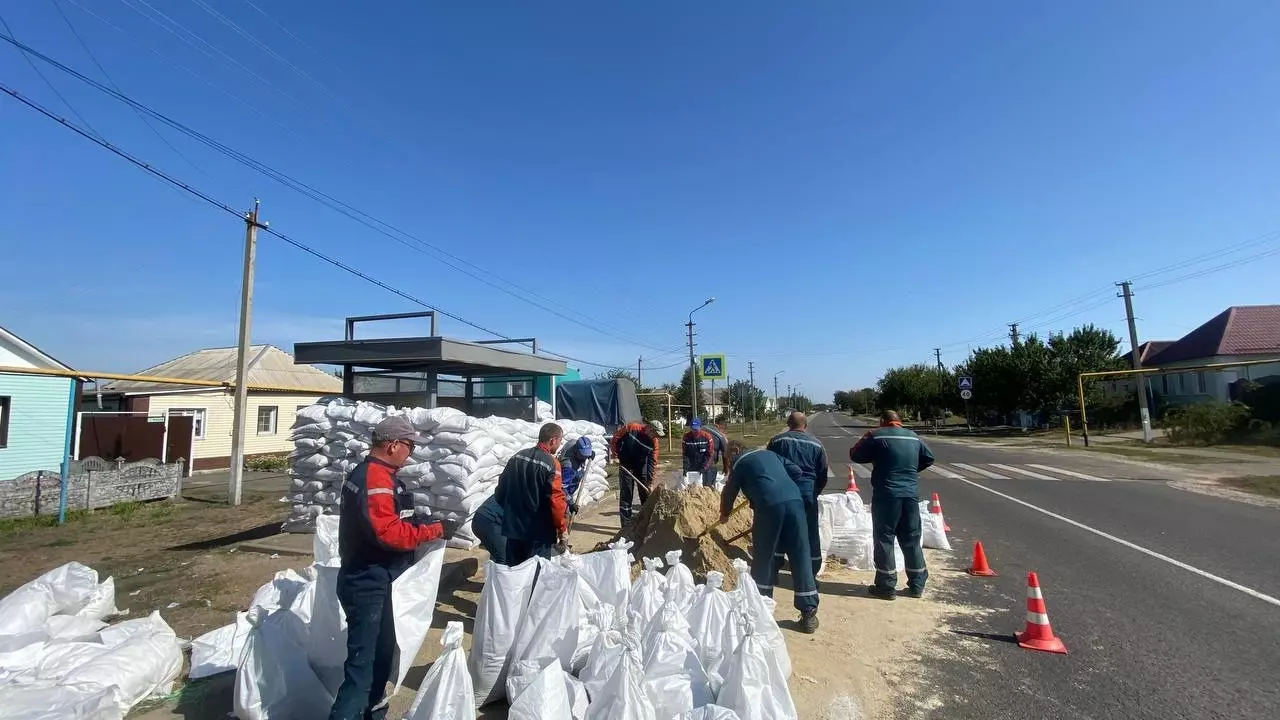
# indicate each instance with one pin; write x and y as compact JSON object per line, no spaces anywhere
{"x":809,"y":622}
{"x":914,"y":592}
{"x":880,"y":593}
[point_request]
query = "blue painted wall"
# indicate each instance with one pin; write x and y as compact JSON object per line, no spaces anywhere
{"x":497,"y":387}
{"x":38,"y":410}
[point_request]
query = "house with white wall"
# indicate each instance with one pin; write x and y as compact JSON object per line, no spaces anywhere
{"x":270,"y":411}
{"x":36,"y":411}
{"x":1238,"y":334}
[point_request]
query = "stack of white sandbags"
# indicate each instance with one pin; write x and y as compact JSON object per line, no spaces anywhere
{"x":450,"y":476}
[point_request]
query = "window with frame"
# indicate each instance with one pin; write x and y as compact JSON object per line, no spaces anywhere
{"x":197,"y":416}
{"x":267,"y":419}
{"x":518,"y":389}
{"x":6,"y":403}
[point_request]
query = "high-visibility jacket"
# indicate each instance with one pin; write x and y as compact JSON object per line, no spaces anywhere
{"x":765,"y":477}
{"x":699,"y":450}
{"x":636,"y":450}
{"x":897,"y":455}
{"x":376,"y":528}
{"x":804,"y":450}
{"x":534,"y":507}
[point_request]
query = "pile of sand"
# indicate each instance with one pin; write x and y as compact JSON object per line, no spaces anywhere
{"x":677,"y":520}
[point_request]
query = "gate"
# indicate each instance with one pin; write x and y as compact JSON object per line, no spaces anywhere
{"x":135,"y":436}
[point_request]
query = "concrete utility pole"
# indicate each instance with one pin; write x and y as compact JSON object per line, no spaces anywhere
{"x":242,"y":356}
{"x":751,"y":373}
{"x":1013,"y":333}
{"x":1126,"y":292}
{"x":776,"y":406}
{"x":639,"y":360}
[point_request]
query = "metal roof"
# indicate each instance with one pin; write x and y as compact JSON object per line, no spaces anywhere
{"x":1238,"y":330}
{"x":428,"y":354}
{"x":31,"y":353}
{"x":268,"y":366}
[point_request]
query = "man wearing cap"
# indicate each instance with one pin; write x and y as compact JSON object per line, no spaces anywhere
{"x":573,"y":468}
{"x":897,"y":455}
{"x":700,"y":453}
{"x":377,"y":536}
{"x":535,"y":512}
{"x":635,"y":446}
{"x":803,"y":449}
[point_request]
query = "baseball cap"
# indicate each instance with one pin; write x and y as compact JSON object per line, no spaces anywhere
{"x":396,"y":427}
{"x":657,"y":428}
{"x":584,"y":448}
{"x":696,"y":424}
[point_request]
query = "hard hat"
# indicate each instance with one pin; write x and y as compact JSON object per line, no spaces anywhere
{"x":657,"y":428}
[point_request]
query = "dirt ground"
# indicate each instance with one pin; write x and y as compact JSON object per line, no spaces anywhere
{"x":856,"y":666}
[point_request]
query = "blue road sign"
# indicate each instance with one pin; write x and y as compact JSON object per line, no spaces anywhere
{"x":712,"y":367}
{"x":966,"y":383}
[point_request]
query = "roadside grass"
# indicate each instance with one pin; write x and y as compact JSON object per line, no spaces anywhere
{"x":1135,"y":453}
{"x":123,"y":514}
{"x":1268,"y":485}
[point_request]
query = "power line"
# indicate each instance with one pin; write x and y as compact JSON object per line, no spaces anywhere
{"x":225,"y":207}
{"x":396,"y":234}
{"x":47,"y":82}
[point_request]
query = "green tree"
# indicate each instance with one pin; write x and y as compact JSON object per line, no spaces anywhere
{"x":743,"y":397}
{"x":918,"y":388}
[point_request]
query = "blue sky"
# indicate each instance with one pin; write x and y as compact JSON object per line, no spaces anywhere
{"x":856,"y":183}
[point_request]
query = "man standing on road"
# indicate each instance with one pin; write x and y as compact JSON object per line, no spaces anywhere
{"x":771,"y":484}
{"x":897,"y":455}
{"x":635,"y":446}
{"x":803,"y":449}
{"x":535,"y":512}
{"x":377,"y":536}
{"x":700,"y":453}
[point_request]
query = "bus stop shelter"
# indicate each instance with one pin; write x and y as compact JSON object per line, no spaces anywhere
{"x":488,"y":377}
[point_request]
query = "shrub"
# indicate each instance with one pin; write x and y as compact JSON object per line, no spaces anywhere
{"x":268,"y":463}
{"x":1205,"y":423}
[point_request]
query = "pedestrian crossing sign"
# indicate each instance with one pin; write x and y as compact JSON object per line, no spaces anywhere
{"x":966,"y":383}
{"x":712,"y":367}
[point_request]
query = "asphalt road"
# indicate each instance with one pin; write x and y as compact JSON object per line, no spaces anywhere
{"x":1167,"y":600}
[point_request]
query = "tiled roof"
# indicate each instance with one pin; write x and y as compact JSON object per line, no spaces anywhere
{"x":1148,"y":352}
{"x":1239,"y":330}
{"x":269,"y":366}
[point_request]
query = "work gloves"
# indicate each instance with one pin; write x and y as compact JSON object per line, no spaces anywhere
{"x":449,"y":527}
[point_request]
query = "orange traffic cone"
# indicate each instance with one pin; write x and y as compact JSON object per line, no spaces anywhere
{"x":979,"y":565}
{"x":935,"y":507}
{"x":1038,"y":635}
{"x":853,"y":482}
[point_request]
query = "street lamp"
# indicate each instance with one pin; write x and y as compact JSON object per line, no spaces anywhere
{"x":776,"y":407}
{"x":695,"y":387}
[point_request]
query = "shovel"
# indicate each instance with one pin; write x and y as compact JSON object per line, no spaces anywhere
{"x":731,"y":514}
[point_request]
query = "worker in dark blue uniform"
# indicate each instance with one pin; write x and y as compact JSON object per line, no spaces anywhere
{"x":487,"y":526}
{"x":771,"y":484}
{"x":573,"y":469}
{"x":377,"y":536}
{"x":803,"y":449}
{"x":721,"y":459}
{"x":535,"y":513}
{"x":700,"y":453}
{"x":897,"y":455}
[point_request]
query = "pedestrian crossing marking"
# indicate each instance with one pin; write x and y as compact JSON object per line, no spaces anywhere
{"x":946,"y":473}
{"x":980,"y":471}
{"x":1070,"y":473}
{"x":1020,"y":471}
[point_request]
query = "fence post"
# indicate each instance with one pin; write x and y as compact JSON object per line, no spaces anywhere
{"x":39,"y":477}
{"x":1066,"y":423}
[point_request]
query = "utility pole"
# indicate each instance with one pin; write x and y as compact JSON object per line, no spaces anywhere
{"x":942,"y":387}
{"x":694,"y":386}
{"x":1013,"y":333}
{"x":776,"y":406}
{"x":242,"y":356}
{"x":639,"y":360}
{"x":1126,"y":292}
{"x":751,"y":373}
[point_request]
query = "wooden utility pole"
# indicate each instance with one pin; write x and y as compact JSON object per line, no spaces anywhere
{"x":242,"y":356}
{"x":1126,"y":292}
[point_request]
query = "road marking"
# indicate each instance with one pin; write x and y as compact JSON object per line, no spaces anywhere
{"x":1070,"y":473}
{"x":865,"y":472}
{"x":1132,"y":546}
{"x":980,"y":471}
{"x":1028,"y":473}
{"x":945,"y":472}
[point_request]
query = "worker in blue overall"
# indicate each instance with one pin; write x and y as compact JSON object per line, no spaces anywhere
{"x":487,"y":526}
{"x":377,"y":536}
{"x":721,"y":459}
{"x":574,"y":458}
{"x":897,"y":455}
{"x":535,"y":513}
{"x":700,"y":453}
{"x":772,"y":486}
{"x":803,"y":449}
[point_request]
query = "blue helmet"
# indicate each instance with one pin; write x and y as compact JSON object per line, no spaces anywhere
{"x":584,"y":448}
{"x":696,"y":424}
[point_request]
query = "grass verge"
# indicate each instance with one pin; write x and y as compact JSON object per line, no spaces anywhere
{"x":1268,"y":485}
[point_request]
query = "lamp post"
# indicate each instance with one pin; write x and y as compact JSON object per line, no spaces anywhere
{"x":695,"y":387}
{"x":776,"y":408}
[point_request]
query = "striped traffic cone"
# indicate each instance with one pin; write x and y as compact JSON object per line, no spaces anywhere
{"x":853,"y":482}
{"x":1038,"y":635}
{"x":979,"y":565}
{"x":935,"y":507}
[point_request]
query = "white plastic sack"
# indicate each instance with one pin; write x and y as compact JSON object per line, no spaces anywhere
{"x":606,"y":652}
{"x":673,"y":676}
{"x":680,"y":580}
{"x":502,"y":604}
{"x":73,"y":628}
{"x":274,"y":680}
{"x":219,"y":651}
{"x":446,"y":692}
{"x":101,"y":603}
{"x":43,"y":701}
{"x":280,"y":592}
{"x":325,"y":543}
{"x":146,"y":663}
{"x":933,"y":529}
{"x":755,"y":687}
{"x":716,"y":712}
{"x":647,"y":591}
{"x":550,"y":627}
{"x":545,"y":697}
{"x":707,"y":620}
{"x":760,"y":608}
{"x":326,"y":628}
{"x":413,"y":598}
{"x":26,"y":610}
{"x":623,"y":696}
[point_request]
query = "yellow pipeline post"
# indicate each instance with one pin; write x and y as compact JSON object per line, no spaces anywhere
{"x":1066,"y":423}
{"x":1084,"y":419}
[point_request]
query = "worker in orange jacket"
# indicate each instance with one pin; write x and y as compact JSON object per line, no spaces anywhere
{"x":635,"y":447}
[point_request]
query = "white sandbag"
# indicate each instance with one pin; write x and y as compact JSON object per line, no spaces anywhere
{"x":680,"y":578}
{"x":623,"y":697}
{"x":71,"y":585}
{"x":311,"y":462}
{"x":18,"y":662}
{"x":326,"y":628}
{"x":340,"y":411}
{"x":462,"y":460}
{"x":933,"y":529}
{"x":449,"y":473}
{"x":413,"y":597}
{"x":707,"y":620}
{"x":73,"y":628}
{"x":446,"y":693}
{"x":101,"y":603}
{"x":550,"y":627}
{"x":274,"y":680}
{"x":310,"y":431}
{"x":755,"y":687}
{"x":503,"y":602}
{"x":545,"y":697}
{"x":324,"y":546}
{"x":59,"y":660}
{"x":44,"y":701}
{"x":367,"y":413}
{"x":673,"y":676}
{"x":760,"y":609}
{"x":647,"y":591}
{"x":716,"y":712}
{"x":121,"y":632}
{"x":449,"y":419}
{"x":312,"y":414}
{"x":280,"y":592}
{"x":606,"y":651}
{"x":609,"y":573}
{"x":145,"y":664}
{"x":26,"y":609}
{"x":220,"y":650}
